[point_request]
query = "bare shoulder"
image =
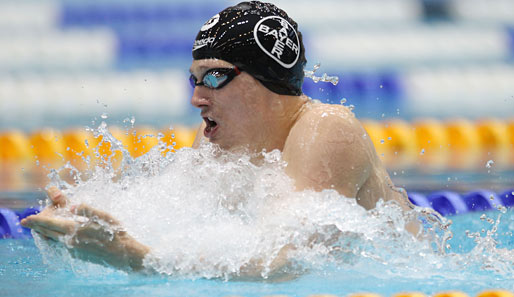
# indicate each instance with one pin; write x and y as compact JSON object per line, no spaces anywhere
{"x":327,"y":148}
{"x":330,"y":122}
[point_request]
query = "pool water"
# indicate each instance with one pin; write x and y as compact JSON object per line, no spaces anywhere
{"x":24,"y":273}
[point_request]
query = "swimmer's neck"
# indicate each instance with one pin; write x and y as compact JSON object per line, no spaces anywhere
{"x":301,"y":105}
{"x":284,"y":112}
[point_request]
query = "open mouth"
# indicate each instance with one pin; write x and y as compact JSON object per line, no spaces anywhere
{"x":210,"y":127}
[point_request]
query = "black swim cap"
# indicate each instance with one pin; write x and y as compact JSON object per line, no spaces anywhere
{"x":260,"y":39}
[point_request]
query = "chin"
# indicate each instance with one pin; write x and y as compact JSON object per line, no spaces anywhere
{"x":219,"y":143}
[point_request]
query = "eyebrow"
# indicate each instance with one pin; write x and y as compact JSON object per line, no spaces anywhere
{"x":201,"y":67}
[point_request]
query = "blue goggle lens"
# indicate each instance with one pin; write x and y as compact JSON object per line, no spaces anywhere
{"x":215,"y":78}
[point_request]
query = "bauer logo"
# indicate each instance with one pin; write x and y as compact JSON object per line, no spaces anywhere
{"x":278,"y":39}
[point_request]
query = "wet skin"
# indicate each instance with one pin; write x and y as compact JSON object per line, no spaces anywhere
{"x":325,"y":147}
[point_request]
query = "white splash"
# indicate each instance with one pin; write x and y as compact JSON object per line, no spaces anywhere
{"x":323,"y":78}
{"x":206,"y":213}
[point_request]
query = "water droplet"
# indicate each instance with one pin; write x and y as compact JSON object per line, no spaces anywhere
{"x":104,"y":115}
{"x":382,"y":141}
{"x":324,"y":78}
{"x":489,"y":164}
{"x":351,"y":107}
{"x":343,"y":101}
{"x":389,"y":138}
{"x":383,"y":115}
{"x":422,"y":152}
{"x":502,"y":209}
{"x":483,"y":217}
{"x":381,"y":86}
{"x":324,"y":115}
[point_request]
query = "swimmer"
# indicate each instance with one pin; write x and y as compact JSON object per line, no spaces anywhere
{"x":247,"y":73}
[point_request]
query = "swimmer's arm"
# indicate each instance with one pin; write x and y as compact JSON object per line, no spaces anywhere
{"x":334,"y":154}
{"x":255,"y":268}
{"x":100,"y":241}
{"x":326,"y":150}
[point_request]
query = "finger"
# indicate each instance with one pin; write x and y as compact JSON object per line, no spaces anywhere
{"x":55,"y":224}
{"x":24,"y":222}
{"x":57,"y":197}
{"x":87,"y":211}
{"x":95,"y":231}
{"x":49,"y":234}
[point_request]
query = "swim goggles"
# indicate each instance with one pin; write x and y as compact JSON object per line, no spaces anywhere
{"x":215,"y":78}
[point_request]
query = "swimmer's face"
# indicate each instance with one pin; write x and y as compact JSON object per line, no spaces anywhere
{"x":236,"y":114}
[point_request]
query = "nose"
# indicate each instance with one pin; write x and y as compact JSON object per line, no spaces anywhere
{"x":200,"y":97}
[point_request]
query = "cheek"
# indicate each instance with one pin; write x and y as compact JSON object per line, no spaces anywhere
{"x":239,"y":106}
{"x":242,"y":119}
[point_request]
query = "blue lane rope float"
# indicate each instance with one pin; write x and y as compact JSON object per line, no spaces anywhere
{"x":451,"y":203}
{"x":482,"y":200}
{"x":447,"y":203}
{"x":10,"y":222}
{"x":419,"y":199}
{"x":508,"y":198}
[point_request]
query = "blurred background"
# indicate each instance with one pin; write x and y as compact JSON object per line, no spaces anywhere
{"x":432,"y":81}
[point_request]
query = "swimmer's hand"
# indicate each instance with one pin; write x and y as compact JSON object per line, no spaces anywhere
{"x":97,"y":237}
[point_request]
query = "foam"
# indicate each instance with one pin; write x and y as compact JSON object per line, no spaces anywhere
{"x":206,"y":213}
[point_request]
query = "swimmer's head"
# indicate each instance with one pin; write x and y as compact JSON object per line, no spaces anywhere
{"x":260,"y":39}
